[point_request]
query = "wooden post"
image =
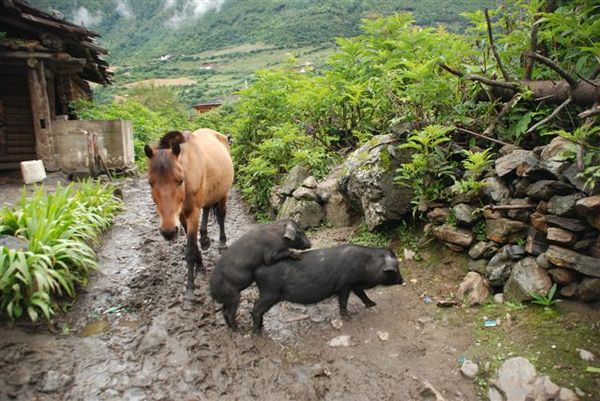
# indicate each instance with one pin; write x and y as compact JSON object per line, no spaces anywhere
{"x":40,"y":108}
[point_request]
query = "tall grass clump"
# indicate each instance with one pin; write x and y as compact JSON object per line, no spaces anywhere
{"x":61,"y":228}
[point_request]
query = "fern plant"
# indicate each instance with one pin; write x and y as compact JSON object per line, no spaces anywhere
{"x":474,"y":164}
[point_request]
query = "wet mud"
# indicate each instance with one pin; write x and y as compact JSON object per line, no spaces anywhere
{"x":129,"y":336}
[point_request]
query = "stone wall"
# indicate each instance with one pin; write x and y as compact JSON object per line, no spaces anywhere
{"x":71,"y":143}
{"x":534,"y":223}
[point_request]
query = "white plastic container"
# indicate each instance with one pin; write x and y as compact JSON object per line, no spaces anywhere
{"x":33,"y":171}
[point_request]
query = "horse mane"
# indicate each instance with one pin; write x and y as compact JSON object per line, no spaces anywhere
{"x":170,"y":138}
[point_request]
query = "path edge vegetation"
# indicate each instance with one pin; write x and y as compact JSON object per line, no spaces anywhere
{"x":60,"y":228}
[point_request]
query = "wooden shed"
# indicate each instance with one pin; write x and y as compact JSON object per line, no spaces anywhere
{"x":45,"y":63}
{"x":206,"y":107}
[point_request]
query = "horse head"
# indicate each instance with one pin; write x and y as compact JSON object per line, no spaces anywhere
{"x":166,"y":177}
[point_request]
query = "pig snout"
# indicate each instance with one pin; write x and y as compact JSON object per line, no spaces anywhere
{"x":391,"y":271}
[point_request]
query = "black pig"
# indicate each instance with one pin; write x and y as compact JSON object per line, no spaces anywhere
{"x":322,"y":273}
{"x":263,"y":245}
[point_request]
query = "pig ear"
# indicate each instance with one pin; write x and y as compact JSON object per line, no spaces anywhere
{"x":175,"y":149}
{"x":290,"y":232}
{"x":390,"y":264}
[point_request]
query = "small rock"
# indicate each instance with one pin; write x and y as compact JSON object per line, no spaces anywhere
{"x":321,"y":371}
{"x":409,"y":254}
{"x":569,"y":259}
{"x":557,"y":146}
{"x":505,"y":231}
{"x":542,"y":261}
{"x":516,"y":159}
{"x":546,"y":189}
{"x":495,"y":190}
{"x":526,"y":278}
{"x":337,"y":324}
{"x":560,"y":236}
{"x":428,"y":392}
{"x":574,"y":225}
{"x":538,"y":221}
{"x":453,"y":235}
{"x":588,"y":206}
{"x":465,"y":214}
{"x":54,"y":380}
{"x":478,"y":266}
{"x":310,"y":182}
{"x":13,"y":243}
{"x":483,"y":249}
{"x":499,"y":267}
{"x":564,"y":205}
{"x":469,"y":369}
{"x":499,"y":298}
{"x":294,"y":179}
{"x":303,"y":193}
{"x":340,"y":341}
{"x":438,"y":215}
{"x":563,"y":276}
{"x":585,"y":355}
{"x":383,"y":335}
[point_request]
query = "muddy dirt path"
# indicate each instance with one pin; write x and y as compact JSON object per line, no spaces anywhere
{"x":128,"y":338}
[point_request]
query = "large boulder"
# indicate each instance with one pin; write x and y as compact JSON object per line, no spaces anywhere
{"x":367,"y":181}
{"x":304,"y":212}
{"x":564,"y":205}
{"x":546,"y":189}
{"x":473,"y":290}
{"x":518,"y":380}
{"x":526,"y":278}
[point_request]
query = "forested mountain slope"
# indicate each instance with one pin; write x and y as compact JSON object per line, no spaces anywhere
{"x":141,"y":29}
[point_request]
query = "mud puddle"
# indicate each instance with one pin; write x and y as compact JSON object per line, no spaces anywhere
{"x":127,"y":336}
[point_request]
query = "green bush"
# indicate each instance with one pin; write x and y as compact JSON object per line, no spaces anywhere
{"x":60,"y":228}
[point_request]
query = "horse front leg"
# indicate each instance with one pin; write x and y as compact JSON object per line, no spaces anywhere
{"x":193,"y":257}
{"x":221,"y":211}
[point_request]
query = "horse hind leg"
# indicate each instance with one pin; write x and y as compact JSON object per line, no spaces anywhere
{"x":204,"y":239}
{"x":221,"y":209}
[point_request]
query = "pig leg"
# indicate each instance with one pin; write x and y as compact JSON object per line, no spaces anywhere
{"x":262,"y":305}
{"x":343,"y":296}
{"x":230,"y":309}
{"x":204,"y":240}
{"x":359,"y":292}
{"x":221,"y":211}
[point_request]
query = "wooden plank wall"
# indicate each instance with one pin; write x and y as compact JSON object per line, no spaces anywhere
{"x":20,"y":136}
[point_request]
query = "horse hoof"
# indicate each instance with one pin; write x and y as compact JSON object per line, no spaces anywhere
{"x":205,"y":244}
{"x":223,"y":246}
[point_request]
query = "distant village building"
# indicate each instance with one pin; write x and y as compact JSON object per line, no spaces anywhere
{"x":207,"y":106}
{"x":207,"y":66}
{"x":166,"y":57}
{"x":45,"y":64}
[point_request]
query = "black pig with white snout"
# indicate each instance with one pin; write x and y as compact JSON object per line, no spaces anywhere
{"x":261,"y":246}
{"x":322,"y":273}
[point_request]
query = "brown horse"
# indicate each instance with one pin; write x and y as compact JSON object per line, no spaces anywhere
{"x":189,"y":172}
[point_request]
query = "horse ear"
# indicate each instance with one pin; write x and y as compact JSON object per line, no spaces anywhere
{"x":148,"y":151}
{"x":175,"y":148}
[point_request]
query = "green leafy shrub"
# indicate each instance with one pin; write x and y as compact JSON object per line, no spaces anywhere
{"x":430,"y":168}
{"x":60,"y":228}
